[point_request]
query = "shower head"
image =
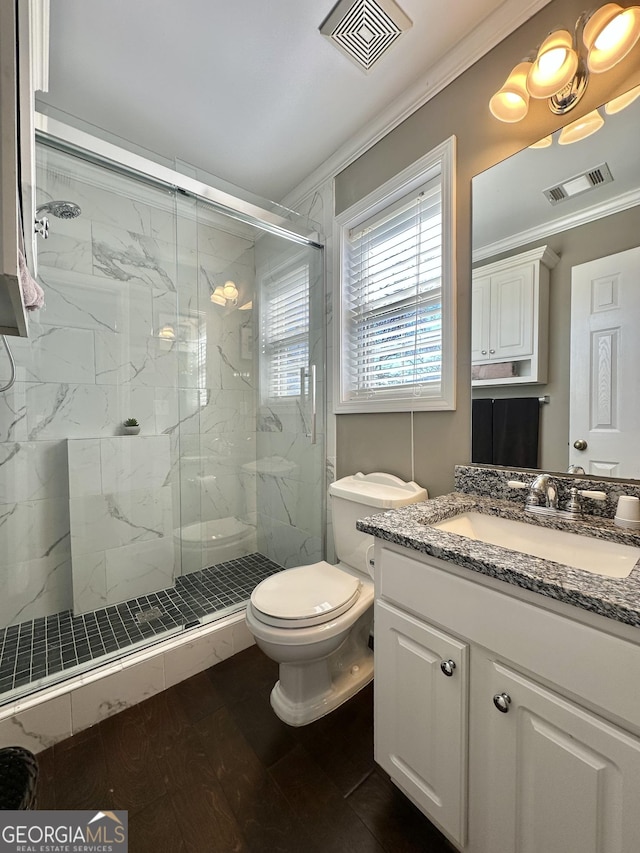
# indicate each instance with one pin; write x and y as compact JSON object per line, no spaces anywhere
{"x":61,"y":209}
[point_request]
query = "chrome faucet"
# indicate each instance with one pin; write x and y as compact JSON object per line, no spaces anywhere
{"x":543,"y":492}
{"x":542,"y":497}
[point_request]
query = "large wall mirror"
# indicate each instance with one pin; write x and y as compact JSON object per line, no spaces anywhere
{"x":582,"y":202}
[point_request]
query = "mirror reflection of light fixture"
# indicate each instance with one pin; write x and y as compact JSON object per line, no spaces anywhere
{"x":581,"y":128}
{"x":618,"y":104}
{"x":226,"y":295}
{"x":217,"y":297}
{"x":230,"y":291}
{"x":545,"y":142}
{"x":559,"y":72}
{"x":167,"y":333}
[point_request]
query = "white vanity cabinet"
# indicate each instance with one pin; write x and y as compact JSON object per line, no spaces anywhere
{"x":533,"y":743}
{"x":421,"y":715}
{"x":510,"y":313}
{"x":551,"y":776}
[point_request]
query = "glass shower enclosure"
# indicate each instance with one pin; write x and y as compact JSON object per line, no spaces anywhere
{"x":202,"y":320}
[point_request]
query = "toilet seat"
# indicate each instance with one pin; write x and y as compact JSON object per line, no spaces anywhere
{"x":305,"y":596}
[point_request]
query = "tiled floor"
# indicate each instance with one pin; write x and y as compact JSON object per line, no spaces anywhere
{"x":44,"y":647}
{"x":206,"y":767}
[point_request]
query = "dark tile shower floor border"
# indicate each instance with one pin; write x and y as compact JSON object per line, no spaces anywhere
{"x":47,"y":646}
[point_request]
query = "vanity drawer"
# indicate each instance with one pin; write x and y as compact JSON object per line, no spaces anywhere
{"x":597,"y":668}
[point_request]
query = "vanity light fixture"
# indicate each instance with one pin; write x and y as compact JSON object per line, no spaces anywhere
{"x":559,"y":71}
{"x":609,"y":35}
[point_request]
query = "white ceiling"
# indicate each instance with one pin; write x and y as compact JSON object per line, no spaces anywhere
{"x":247,"y":90}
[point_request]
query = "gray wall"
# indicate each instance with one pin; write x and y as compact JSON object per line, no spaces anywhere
{"x":442,"y":439}
{"x":576,"y":246}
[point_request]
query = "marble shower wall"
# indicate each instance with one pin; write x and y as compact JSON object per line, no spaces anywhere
{"x":127,"y":330}
{"x":120,"y":519}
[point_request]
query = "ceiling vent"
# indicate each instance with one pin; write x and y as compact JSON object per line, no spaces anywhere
{"x":365,"y":29}
{"x":588,"y":180}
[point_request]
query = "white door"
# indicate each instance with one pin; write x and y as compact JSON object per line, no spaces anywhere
{"x":557,"y":779}
{"x":605,"y":365}
{"x":421,"y":699}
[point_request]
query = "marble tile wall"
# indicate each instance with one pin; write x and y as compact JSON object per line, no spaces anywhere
{"x":136,"y":262}
{"x":121,"y":520}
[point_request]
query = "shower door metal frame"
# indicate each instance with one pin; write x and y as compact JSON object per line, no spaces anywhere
{"x":82,"y":144}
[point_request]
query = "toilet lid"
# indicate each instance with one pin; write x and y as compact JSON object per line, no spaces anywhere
{"x":308,"y":595}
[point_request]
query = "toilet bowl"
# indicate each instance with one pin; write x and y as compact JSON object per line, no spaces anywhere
{"x":216,"y":541}
{"x":316,"y":620}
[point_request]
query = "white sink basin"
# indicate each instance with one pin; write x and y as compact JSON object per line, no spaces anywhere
{"x":597,"y":556}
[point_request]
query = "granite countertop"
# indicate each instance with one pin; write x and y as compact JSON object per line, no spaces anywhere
{"x":615,"y":598}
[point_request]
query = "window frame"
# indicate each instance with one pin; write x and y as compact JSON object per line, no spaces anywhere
{"x":440,"y":162}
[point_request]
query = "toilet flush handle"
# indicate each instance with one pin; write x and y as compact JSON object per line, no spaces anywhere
{"x":369,"y":559}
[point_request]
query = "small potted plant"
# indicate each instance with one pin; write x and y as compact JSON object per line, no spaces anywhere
{"x":131,"y":426}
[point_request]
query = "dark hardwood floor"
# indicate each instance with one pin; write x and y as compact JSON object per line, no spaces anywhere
{"x":207,"y":767}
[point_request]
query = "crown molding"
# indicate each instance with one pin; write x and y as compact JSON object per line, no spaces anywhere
{"x":555,"y":226}
{"x":493,"y":29}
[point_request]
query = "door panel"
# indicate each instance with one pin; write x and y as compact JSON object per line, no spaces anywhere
{"x":605,"y":353}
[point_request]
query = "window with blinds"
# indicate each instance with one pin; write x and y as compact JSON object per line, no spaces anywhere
{"x":285,"y":331}
{"x":394,"y":292}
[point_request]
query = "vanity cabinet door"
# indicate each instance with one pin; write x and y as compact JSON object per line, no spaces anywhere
{"x":503,"y":315}
{"x":421,"y":715}
{"x":553,"y":778}
{"x":480,"y":318}
{"x":512,"y":313}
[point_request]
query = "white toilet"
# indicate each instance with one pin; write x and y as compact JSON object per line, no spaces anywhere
{"x":315,"y":620}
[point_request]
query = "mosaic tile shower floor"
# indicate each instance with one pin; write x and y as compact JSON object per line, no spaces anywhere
{"x":49,"y":645}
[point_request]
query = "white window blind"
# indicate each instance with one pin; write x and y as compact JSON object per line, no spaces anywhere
{"x":392,"y":301}
{"x":285,"y":330}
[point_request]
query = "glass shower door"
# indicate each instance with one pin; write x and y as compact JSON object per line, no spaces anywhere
{"x":290,"y":417}
{"x":251,"y":417}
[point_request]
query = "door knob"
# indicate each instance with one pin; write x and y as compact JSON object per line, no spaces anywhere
{"x":580,"y":444}
{"x":447,"y":666}
{"x":502,"y":702}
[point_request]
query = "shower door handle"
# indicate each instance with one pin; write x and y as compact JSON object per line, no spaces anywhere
{"x":312,"y":395}
{"x":314,"y":407}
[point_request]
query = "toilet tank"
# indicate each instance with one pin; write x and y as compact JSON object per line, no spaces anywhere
{"x":358,"y":496}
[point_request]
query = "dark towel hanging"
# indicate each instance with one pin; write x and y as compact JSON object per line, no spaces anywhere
{"x":516,"y":424}
{"x":482,"y":432}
